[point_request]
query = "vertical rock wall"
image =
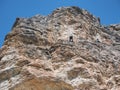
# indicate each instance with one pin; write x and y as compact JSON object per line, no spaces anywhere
{"x":38,"y":54}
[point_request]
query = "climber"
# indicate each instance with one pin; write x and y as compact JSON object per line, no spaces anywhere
{"x":97,"y":40}
{"x":70,"y":38}
{"x":70,"y":31}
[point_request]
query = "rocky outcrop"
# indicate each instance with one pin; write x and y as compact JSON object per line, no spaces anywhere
{"x":66,"y":50}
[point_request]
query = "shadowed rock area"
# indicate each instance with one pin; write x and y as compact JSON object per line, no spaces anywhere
{"x":66,"y":50}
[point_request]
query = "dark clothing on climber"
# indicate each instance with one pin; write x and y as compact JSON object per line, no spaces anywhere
{"x":71,"y":39}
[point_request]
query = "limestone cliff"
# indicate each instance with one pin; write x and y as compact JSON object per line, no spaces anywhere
{"x":66,"y":50}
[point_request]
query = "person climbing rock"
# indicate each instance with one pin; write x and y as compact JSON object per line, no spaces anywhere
{"x":71,"y":39}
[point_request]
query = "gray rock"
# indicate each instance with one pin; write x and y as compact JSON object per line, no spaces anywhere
{"x":66,"y":50}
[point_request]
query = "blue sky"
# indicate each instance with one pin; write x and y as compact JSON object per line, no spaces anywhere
{"x":107,"y":10}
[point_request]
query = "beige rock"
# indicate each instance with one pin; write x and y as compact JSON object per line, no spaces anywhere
{"x":66,"y":50}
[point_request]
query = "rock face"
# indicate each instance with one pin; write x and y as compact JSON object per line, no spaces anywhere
{"x":66,"y":50}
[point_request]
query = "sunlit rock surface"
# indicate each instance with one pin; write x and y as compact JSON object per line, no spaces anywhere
{"x":66,"y":50}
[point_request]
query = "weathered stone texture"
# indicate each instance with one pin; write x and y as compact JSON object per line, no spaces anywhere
{"x":66,"y":50}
